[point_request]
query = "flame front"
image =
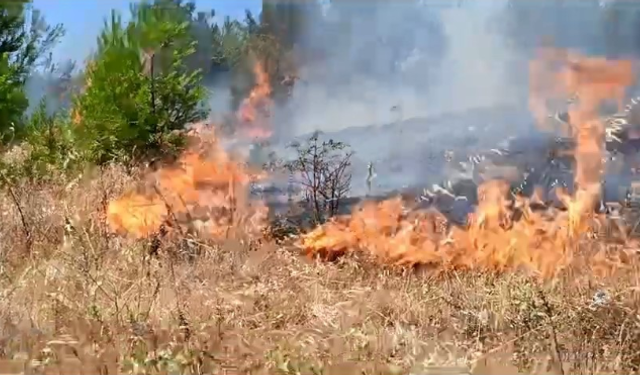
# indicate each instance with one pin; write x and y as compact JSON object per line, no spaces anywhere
{"x":500,"y":236}
{"x":254,"y":112}
{"x":494,"y":240}
{"x":206,"y":186}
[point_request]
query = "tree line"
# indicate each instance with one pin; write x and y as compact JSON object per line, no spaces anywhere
{"x":145,"y":81}
{"x":148,"y":75}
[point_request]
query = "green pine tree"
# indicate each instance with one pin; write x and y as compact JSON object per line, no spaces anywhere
{"x":139,"y":91}
{"x":24,"y":41}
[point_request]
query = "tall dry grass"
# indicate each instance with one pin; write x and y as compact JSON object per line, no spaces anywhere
{"x":77,"y":299}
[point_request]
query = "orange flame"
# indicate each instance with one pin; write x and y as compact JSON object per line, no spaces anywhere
{"x":206,"y":186}
{"x":76,"y":111}
{"x":499,"y":236}
{"x":76,"y":117}
{"x":253,"y":113}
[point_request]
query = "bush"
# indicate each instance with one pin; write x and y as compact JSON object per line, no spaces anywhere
{"x":324,"y":169}
{"x":47,"y":149}
{"x":13,"y":101}
{"x":138,"y":89}
{"x":52,"y":144}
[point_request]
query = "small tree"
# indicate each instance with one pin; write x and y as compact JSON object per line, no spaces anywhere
{"x":325,"y":171}
{"x":24,"y":41}
{"x":138,"y":88}
{"x":51,"y":143}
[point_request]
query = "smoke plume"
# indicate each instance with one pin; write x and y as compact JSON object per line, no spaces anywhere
{"x":387,"y":60}
{"x":444,"y":75}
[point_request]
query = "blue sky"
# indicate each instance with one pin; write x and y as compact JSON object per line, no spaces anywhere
{"x":83,"y":19}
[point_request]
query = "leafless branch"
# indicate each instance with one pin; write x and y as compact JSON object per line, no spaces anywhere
{"x":325,"y":170}
{"x":23,"y":219}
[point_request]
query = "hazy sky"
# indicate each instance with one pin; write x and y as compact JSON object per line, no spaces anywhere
{"x":83,"y":19}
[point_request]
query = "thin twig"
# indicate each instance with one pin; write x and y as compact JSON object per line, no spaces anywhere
{"x":555,"y":348}
{"x":232,"y":201}
{"x":23,"y":219}
{"x":170,"y":211}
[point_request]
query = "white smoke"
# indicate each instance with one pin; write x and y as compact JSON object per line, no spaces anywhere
{"x":456,"y":72}
{"x":471,"y":70}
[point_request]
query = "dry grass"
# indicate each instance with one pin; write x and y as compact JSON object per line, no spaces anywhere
{"x":77,"y":299}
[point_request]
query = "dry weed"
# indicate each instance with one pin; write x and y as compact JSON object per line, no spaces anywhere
{"x":77,"y":299}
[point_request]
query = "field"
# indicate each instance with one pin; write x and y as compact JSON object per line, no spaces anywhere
{"x":131,"y":242}
{"x":78,"y":299}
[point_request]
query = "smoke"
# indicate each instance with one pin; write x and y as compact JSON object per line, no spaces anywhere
{"x":476,"y":65}
{"x":457,"y":70}
{"x":44,"y":86}
{"x":385,"y":61}
{"x":219,"y":98}
{"x":398,"y":60}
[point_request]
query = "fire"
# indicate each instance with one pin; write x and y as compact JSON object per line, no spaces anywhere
{"x":206,"y":187}
{"x":494,"y":239}
{"x":501,"y":235}
{"x":253,"y":113}
{"x":76,"y":117}
{"x":76,"y":111}
{"x":209,"y":186}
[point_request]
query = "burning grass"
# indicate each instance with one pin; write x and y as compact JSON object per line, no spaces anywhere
{"x":194,"y":287}
{"x":206,"y":189}
{"x":81,"y":300}
{"x":502,"y":236}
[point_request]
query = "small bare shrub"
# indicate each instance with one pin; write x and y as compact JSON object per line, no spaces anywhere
{"x":324,"y":168}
